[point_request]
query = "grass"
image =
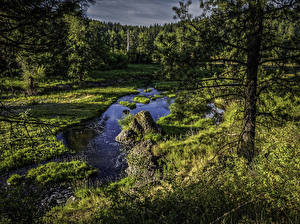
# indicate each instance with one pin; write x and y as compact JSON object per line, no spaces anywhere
{"x":130,"y":105}
{"x":69,"y":105}
{"x":55,"y":172}
{"x":156,"y":97}
{"x":136,"y":75}
{"x":58,"y":109}
{"x":141,"y":99}
{"x":204,"y":180}
{"x":125,"y":121}
{"x":148,"y":90}
{"x":166,"y":85}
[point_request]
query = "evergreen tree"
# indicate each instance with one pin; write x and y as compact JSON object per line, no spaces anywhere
{"x":245,"y":36}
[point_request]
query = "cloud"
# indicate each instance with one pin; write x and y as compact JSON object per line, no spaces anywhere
{"x":134,"y":12}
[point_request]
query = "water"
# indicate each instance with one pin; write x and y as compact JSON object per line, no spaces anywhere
{"x":214,"y":113}
{"x":103,"y":152}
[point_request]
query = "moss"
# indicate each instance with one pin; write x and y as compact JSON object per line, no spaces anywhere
{"x":141,"y":99}
{"x":148,"y":90}
{"x":128,"y":104}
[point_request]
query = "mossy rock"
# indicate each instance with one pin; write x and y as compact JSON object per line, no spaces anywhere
{"x":141,"y":162}
{"x":143,"y":123}
{"x":140,"y":125}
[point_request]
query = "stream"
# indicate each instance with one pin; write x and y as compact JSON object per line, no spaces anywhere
{"x":97,"y":142}
{"x":98,"y":139}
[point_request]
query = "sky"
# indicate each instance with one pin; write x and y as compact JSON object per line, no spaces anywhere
{"x":136,"y":12}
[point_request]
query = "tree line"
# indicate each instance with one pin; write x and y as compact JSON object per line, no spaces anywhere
{"x":54,"y":38}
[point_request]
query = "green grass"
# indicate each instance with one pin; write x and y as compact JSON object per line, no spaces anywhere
{"x":156,"y":97}
{"x":148,"y":90}
{"x":203,"y":180}
{"x":141,"y":99}
{"x":70,"y":104}
{"x":136,"y":75}
{"x":128,"y":104}
{"x":55,"y":172}
{"x":59,"y":109}
{"x":166,"y":85}
{"x":125,"y":121}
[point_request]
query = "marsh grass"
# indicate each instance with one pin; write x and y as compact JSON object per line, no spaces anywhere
{"x":130,"y":105}
{"x":141,"y":99}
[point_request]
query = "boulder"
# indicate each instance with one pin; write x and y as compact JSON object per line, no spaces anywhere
{"x":146,"y":122}
{"x":126,"y":137}
{"x":141,"y":124}
{"x":141,"y":162}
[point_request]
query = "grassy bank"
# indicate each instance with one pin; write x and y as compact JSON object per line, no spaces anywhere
{"x":59,"y":104}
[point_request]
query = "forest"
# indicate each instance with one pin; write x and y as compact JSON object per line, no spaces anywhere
{"x":195,"y":121}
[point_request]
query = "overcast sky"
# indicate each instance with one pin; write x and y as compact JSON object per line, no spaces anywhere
{"x":135,"y":12}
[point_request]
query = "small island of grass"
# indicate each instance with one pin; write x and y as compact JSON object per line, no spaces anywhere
{"x":148,"y":90}
{"x":141,"y":99}
{"x":130,"y":105}
{"x":156,"y":97}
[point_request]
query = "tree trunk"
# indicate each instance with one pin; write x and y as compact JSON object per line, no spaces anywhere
{"x":250,"y":110}
{"x":248,"y":136}
{"x":128,"y":41}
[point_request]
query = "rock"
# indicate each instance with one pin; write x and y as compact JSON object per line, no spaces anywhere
{"x":135,"y":126}
{"x":126,"y":137}
{"x":126,"y":112}
{"x":141,"y":124}
{"x":145,"y":121}
{"x":72,"y":198}
{"x":60,"y":201}
{"x":141,"y":162}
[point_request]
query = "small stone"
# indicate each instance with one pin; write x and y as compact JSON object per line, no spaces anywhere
{"x":60,"y":201}
{"x":72,"y":198}
{"x":126,"y":112}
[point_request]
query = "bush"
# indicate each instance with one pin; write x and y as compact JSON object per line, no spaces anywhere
{"x":32,"y":74}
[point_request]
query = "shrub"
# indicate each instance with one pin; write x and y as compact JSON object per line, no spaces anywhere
{"x":32,"y":74}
